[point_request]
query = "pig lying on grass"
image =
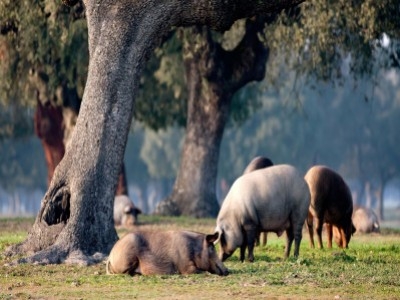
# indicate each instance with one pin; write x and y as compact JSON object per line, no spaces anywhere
{"x":273,"y":199}
{"x":165,"y":252}
{"x":259,"y":162}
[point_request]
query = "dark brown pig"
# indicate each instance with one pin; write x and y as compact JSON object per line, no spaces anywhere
{"x":125,"y":212}
{"x":332,"y":204}
{"x":165,"y":252}
{"x":365,"y":220}
{"x":274,"y":199}
{"x":259,"y":162}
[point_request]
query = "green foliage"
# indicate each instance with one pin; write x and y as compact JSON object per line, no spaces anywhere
{"x":365,"y":270}
{"x":321,"y":36}
{"x":162,"y":100}
{"x":48,"y":40}
{"x":333,"y":125}
{"x":161,"y":152}
{"x":46,"y":48}
{"x":162,"y":95}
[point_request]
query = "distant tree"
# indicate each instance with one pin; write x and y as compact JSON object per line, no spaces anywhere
{"x":213,"y":75}
{"x":51,"y":68}
{"x":44,"y":46}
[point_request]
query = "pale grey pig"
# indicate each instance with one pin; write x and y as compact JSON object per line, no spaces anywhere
{"x":365,"y":220}
{"x":332,"y":204}
{"x":125,"y":212}
{"x":274,"y":199}
{"x":165,"y":252}
{"x":259,"y":162}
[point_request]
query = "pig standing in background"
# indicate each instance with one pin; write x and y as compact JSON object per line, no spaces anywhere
{"x":365,"y":220}
{"x":165,"y":252}
{"x":274,"y":199}
{"x":259,"y":162}
{"x":332,"y":204}
{"x":125,"y":212}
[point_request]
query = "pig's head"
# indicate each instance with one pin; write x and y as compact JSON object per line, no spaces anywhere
{"x":209,"y":260}
{"x":229,"y":239}
{"x":376,"y":227}
{"x":130,"y":216}
{"x":349,"y":231}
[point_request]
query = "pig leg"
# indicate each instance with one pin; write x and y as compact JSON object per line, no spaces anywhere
{"x":329,"y":232}
{"x":243,"y":251}
{"x":343,"y":240}
{"x":289,"y":241}
{"x":251,"y":236}
{"x":310,"y":227}
{"x":264,"y":241}
{"x":298,"y":234}
{"x":318,"y":229}
{"x":258,"y":239}
{"x":189,"y":268}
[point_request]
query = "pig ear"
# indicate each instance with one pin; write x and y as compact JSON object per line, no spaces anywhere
{"x":218,"y":233}
{"x":137,"y":210}
{"x":212,"y":238}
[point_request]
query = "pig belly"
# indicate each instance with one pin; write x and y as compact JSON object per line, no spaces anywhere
{"x":277,"y":227}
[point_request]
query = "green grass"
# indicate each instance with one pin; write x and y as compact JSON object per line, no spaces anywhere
{"x":369,"y":269}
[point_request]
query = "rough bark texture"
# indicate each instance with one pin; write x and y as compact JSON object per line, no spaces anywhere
{"x":213,"y":75}
{"x":75,"y":222}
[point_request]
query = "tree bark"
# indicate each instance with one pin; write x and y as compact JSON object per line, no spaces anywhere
{"x":213,"y":75}
{"x":75,"y":222}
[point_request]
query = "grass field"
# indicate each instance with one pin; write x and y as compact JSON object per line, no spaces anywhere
{"x":369,"y":269}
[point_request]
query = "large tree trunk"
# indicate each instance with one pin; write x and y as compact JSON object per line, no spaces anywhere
{"x":75,"y":222}
{"x":213,"y":75}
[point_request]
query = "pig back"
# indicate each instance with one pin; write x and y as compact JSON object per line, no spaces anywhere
{"x":259,"y":162}
{"x":267,"y":197}
{"x":365,"y":220}
{"x":330,"y":195}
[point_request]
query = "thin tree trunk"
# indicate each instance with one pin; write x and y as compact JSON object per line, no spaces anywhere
{"x":208,"y":111}
{"x":213,"y":75}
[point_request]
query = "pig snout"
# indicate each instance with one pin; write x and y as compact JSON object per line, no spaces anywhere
{"x":215,"y":264}
{"x":220,"y":269}
{"x":130,"y":216}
